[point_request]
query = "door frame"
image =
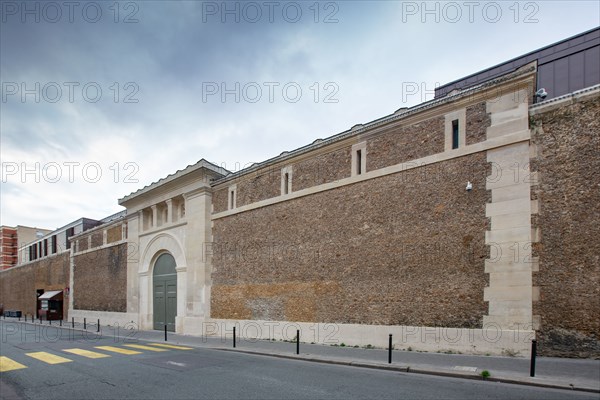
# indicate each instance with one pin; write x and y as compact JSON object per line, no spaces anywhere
{"x":169,"y":301}
{"x":150,"y":249}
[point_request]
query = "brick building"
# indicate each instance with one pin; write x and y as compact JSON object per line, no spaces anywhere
{"x":466,"y":223}
{"x":8,"y":247}
{"x":13,"y":238}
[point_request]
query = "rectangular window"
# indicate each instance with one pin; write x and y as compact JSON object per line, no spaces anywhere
{"x":359,"y":159}
{"x":232,"y":200}
{"x":287,"y":174}
{"x":70,"y":232}
{"x":455,"y":134}
{"x":45,"y":247}
{"x":54,"y":249}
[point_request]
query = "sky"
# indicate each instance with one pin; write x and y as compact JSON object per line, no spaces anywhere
{"x":101,"y":98}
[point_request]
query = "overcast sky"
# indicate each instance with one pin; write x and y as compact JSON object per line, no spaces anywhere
{"x":101,"y":98}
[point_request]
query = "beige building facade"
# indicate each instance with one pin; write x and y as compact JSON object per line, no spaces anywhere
{"x":172,"y":217}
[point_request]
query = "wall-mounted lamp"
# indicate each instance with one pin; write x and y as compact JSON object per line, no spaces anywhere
{"x":469,"y":186}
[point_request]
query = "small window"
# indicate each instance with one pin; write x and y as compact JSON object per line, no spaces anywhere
{"x":286,"y":183}
{"x":455,"y":134}
{"x":286,"y":180}
{"x":359,"y":158}
{"x":231,"y":197}
{"x":454,"y":130}
{"x":54,"y":247}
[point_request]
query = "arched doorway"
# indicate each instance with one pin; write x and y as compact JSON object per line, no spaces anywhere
{"x":165,"y":292}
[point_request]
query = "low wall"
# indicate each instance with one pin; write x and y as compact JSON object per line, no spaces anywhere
{"x":488,"y":340}
{"x":126,"y":320}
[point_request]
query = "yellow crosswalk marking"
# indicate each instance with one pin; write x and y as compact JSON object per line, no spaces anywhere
{"x":48,"y":358}
{"x":6,"y":364}
{"x":118,"y":350}
{"x":141,"y":347}
{"x":170,"y":346}
{"x":86,"y":353}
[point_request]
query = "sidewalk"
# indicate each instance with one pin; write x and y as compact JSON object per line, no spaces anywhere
{"x":564,"y":373}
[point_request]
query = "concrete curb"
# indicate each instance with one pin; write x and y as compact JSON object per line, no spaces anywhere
{"x":363,"y":364}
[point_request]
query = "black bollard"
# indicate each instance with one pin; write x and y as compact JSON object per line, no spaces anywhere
{"x":72,"y":322}
{"x":298,"y":341}
{"x":49,"y":320}
{"x":533,"y":355}
{"x":98,"y":329}
{"x":165,"y":333}
{"x":84,"y":324}
{"x":60,"y":322}
{"x":390,"y":350}
{"x":234,"y":337}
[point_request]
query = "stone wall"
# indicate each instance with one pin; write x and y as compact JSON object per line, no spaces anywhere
{"x":83,"y":244}
{"x":478,"y":120}
{"x":324,"y":168}
{"x":97,"y":239}
{"x":259,"y":186}
{"x":394,"y":146}
{"x":568,"y":163}
{"x":403,"y":249}
{"x":219,"y":200}
{"x":406,"y":143}
{"x":100,"y":279}
{"x":114,"y":234}
{"x":18,"y":285}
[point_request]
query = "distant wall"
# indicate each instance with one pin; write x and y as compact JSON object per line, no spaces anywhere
{"x":18,"y":285}
{"x":100,"y":269}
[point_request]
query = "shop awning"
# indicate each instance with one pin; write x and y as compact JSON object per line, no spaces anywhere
{"x":52,"y":295}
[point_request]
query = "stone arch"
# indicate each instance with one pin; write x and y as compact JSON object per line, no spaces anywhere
{"x":163,"y":243}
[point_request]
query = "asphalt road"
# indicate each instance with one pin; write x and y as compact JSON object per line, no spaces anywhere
{"x":208,"y":373}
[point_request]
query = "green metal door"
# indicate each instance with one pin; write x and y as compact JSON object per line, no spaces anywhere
{"x":165,"y":292}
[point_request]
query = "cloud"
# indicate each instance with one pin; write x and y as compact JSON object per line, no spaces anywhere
{"x":155,"y":112}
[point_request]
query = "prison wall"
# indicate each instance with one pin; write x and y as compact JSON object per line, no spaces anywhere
{"x":566,"y":136}
{"x":19,"y":285}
